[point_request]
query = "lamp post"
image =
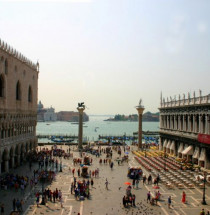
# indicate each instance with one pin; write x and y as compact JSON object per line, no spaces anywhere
{"x":204,"y":189}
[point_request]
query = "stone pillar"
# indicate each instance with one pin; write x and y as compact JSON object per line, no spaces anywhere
{"x":80,"y":136}
{"x":18,"y":159}
{"x":6,"y":165}
{"x":199,"y":131}
{"x":140,"y":110}
{"x":12,"y":161}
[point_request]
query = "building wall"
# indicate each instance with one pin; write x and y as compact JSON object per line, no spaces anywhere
{"x":181,"y":121}
{"x":18,"y":111}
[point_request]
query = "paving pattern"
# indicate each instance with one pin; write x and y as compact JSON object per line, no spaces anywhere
{"x":107,"y":202}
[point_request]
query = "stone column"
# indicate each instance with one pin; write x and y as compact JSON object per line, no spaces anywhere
{"x":199,"y":124}
{"x":80,"y":136}
{"x":12,"y":161}
{"x":6,"y":165}
{"x":140,"y":110}
{"x":18,"y":159}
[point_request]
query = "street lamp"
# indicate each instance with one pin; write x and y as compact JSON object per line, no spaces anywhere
{"x":204,"y":189}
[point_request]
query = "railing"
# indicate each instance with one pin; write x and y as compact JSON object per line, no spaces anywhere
{"x":187,"y":101}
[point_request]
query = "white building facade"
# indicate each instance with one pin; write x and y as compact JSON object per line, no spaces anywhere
{"x":185,"y":128}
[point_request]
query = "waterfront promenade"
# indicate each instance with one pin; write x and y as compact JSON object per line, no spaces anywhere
{"x":103,"y":201}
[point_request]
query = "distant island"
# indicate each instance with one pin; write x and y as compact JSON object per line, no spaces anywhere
{"x":147,"y":117}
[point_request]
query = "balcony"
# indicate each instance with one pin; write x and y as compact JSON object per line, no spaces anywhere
{"x":179,"y":133}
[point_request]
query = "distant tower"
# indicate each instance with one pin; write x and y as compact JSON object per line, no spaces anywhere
{"x":140,"y":109}
{"x":80,"y":108}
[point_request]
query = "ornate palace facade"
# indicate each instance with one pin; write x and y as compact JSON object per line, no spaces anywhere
{"x":185,"y":128}
{"x":18,"y":107}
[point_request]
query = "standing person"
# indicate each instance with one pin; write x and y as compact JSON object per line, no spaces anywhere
{"x":148,"y":196}
{"x":144,"y":179}
{"x":134,"y":182}
{"x":14,"y":204}
{"x":91,"y":182}
{"x":2,"y":209}
{"x":169,"y":202}
{"x":133,"y":200}
{"x":137,"y":184}
{"x":183,"y":197}
{"x":106,"y":183}
{"x":202,"y":212}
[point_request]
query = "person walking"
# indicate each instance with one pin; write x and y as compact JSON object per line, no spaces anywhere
{"x":169,"y":202}
{"x":148,"y":197}
{"x":106,"y":183}
{"x":183,"y":197}
{"x":91,"y":182}
{"x":133,"y":200}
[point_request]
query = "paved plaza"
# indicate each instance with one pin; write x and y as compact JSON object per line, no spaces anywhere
{"x":103,"y":201}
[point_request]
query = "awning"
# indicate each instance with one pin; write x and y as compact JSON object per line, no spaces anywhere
{"x":196,"y":153}
{"x":188,"y":151}
{"x":168,"y":145}
{"x":165,"y":143}
{"x":172,"y":146}
{"x":202,"y":155}
{"x":180,"y":148}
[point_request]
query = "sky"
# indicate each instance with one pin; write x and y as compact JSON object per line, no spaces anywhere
{"x":111,"y":53}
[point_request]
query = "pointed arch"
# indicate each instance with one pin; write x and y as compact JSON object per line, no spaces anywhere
{"x":18,"y":91}
{"x":30,"y":94}
{"x":2,"y":86}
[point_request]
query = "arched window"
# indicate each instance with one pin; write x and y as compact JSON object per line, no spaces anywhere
{"x":2,"y":86}
{"x":18,"y":91}
{"x":6,"y":66}
{"x":29,"y":94}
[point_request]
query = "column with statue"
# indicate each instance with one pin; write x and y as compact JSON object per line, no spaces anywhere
{"x":140,"y":109}
{"x":80,"y":108}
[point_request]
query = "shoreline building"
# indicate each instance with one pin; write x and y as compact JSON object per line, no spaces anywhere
{"x":18,"y":107}
{"x":45,"y":114}
{"x":185,"y":128}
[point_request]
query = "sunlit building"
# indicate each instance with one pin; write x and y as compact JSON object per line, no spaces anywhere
{"x":185,"y":128}
{"x":18,"y":107}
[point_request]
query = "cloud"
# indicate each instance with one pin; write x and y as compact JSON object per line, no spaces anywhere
{"x":70,"y":1}
{"x":177,"y":32}
{"x":202,"y":27}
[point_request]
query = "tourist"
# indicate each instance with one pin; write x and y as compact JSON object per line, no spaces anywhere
{"x":91,"y":182}
{"x":183,"y":197}
{"x":137,"y":184}
{"x":133,"y":200}
{"x":124,"y":201}
{"x":148,"y":197}
{"x":202,"y":212}
{"x":169,"y":202}
{"x":14,"y":204}
{"x":21,"y":205}
{"x":134,"y":182}
{"x":106,"y":183}
{"x":2,"y":209}
{"x":144,"y":179}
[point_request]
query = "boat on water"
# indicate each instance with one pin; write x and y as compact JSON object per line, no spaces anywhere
{"x":47,"y":124}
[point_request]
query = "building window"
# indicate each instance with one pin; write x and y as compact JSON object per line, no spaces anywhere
{"x":2,"y":86}
{"x":29,"y":94}
{"x":6,"y":66}
{"x":18,"y":91}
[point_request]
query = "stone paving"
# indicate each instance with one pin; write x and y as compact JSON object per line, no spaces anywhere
{"x":105,"y":202}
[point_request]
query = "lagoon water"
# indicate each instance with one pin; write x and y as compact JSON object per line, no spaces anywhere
{"x":89,"y":132}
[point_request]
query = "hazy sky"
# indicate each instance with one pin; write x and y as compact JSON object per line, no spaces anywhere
{"x":111,"y":53}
